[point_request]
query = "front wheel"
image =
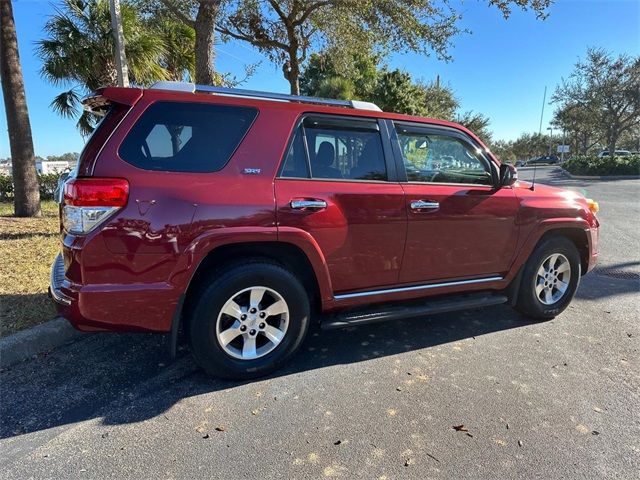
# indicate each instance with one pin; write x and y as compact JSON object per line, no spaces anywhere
{"x":550,"y":279}
{"x":249,"y":321}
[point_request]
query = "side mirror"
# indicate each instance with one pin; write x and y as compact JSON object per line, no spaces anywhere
{"x":508,"y":175}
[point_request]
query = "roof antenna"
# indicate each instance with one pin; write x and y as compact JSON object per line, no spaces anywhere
{"x":535,"y":164}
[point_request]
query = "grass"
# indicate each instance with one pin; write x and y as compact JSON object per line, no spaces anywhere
{"x":27,"y":248}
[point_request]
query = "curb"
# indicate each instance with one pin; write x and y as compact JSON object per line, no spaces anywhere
{"x":601,"y":177}
{"x":36,"y":340}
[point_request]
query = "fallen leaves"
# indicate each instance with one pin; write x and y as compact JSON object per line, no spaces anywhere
{"x":462,"y":428}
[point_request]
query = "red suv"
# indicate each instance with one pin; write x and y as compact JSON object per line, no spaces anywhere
{"x":241,"y":216}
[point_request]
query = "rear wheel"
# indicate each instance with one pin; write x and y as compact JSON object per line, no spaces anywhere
{"x":249,"y":321}
{"x":550,"y":279}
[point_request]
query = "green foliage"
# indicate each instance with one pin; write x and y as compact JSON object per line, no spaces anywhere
{"x":288,"y":32}
{"x":439,"y":101}
{"x":65,"y":157}
{"x":477,"y":123}
{"x":503,"y":150}
{"x":359,"y":69}
{"x":47,"y":184}
{"x":395,"y":91}
{"x":360,"y":76}
{"x":6,"y":188}
{"x":336,"y":87}
{"x":526,"y":146}
{"x":78,"y":50}
{"x":593,"y":165}
{"x":600,"y":101}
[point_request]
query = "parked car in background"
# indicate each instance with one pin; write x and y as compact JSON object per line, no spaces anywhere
{"x":545,"y":159}
{"x":241,"y":217}
{"x":618,"y":153}
{"x":521,"y":163}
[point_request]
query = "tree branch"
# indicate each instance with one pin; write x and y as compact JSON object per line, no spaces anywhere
{"x":252,"y":40}
{"x":175,"y":11}
{"x":274,"y":4}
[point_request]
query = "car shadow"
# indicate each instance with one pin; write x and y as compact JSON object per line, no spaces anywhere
{"x":125,"y":378}
{"x":610,"y":280}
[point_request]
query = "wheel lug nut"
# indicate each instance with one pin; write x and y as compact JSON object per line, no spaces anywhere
{"x":261,"y":325}
{"x":253,"y":310}
{"x":243,"y":316}
{"x":262,"y":314}
{"x":243,"y":328}
{"x":252,"y":332}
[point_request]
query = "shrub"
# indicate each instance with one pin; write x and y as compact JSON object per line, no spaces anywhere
{"x":6,"y":188}
{"x":592,"y":165}
{"x":47,"y":183}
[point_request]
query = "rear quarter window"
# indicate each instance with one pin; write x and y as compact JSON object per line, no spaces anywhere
{"x":186,"y":137}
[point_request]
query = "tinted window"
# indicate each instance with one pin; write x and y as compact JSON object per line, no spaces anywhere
{"x":295,"y":163}
{"x":337,"y":149}
{"x":186,"y":137}
{"x":441,"y":158}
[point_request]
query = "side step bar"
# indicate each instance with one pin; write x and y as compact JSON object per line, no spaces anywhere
{"x":382,"y":313}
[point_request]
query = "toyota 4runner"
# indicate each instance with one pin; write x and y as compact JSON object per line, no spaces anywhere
{"x":240,"y":217}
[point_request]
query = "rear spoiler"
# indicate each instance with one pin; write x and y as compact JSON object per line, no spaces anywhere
{"x":99,"y":101}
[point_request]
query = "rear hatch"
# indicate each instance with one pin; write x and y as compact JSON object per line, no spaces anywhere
{"x":85,"y":200}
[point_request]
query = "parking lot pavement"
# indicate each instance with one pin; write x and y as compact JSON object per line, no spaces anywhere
{"x":558,"y":399}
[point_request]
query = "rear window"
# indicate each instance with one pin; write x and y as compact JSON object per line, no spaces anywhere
{"x":186,"y":137}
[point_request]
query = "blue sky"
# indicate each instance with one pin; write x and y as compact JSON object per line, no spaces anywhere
{"x":500,"y":69}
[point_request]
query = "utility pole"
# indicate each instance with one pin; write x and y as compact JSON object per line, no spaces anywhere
{"x":118,"y":37}
{"x":550,"y":138}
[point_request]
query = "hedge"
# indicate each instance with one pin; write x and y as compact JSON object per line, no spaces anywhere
{"x":47,"y":182}
{"x":592,"y":165}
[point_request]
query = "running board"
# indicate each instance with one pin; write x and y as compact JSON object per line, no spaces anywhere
{"x":382,"y":313}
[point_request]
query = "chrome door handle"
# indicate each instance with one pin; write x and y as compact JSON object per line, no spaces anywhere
{"x":422,"y":204}
{"x":313,"y":204}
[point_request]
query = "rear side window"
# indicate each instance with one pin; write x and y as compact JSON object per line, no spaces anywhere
{"x":341,"y":149}
{"x":186,"y":137}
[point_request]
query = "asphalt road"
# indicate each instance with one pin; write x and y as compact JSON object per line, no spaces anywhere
{"x":559,"y":399}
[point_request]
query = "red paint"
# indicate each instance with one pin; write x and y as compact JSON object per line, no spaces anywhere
{"x":96,"y":192}
{"x":130,"y":272}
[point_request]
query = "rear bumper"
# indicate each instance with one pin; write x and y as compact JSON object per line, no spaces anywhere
{"x":112,"y":307}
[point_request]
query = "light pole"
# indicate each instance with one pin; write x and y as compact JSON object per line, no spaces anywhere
{"x":550,"y":138}
{"x":118,"y":38}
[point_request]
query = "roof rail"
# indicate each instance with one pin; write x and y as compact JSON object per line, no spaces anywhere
{"x":283,"y":97}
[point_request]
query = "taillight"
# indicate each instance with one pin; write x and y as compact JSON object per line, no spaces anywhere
{"x":90,"y":201}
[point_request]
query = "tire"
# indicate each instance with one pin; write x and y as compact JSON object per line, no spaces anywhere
{"x":216,"y":319}
{"x":541,"y":298}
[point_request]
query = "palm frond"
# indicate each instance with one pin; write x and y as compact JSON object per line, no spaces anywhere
{"x":67,"y":103}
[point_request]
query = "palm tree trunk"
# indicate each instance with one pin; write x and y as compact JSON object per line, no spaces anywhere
{"x":25,"y":180}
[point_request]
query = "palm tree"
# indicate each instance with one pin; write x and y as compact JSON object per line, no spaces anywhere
{"x":26,"y":192}
{"x":179,"y":40}
{"x":78,"y":51}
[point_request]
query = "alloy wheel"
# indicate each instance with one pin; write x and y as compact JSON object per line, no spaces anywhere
{"x":252,"y":323}
{"x":553,"y":279}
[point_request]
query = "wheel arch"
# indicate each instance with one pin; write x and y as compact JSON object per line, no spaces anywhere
{"x":580,"y":239}
{"x":576,"y":232}
{"x":227,"y":255}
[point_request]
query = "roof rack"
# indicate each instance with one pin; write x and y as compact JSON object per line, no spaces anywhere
{"x":239,"y":92}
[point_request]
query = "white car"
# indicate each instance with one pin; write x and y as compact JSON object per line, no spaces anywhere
{"x":618,"y":153}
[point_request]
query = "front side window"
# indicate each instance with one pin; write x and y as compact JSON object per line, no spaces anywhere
{"x":441,"y":158}
{"x":330,"y":149}
{"x":186,"y":137}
